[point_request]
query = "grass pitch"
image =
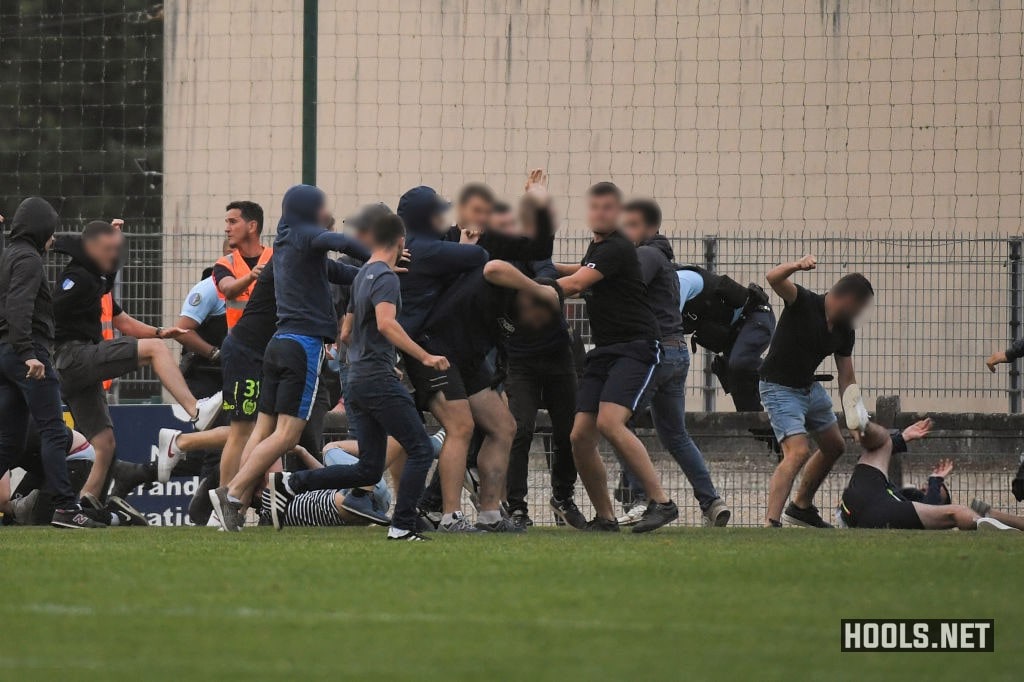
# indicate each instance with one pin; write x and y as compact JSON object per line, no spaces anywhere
{"x":549,"y":605}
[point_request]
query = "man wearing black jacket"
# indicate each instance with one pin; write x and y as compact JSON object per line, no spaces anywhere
{"x":28,"y":383}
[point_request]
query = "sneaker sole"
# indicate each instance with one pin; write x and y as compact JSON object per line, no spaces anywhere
{"x":722,"y":519}
{"x":795,"y":522}
{"x":852,"y":396}
{"x":643,"y":529}
{"x":71,"y":526}
{"x":377,"y":520}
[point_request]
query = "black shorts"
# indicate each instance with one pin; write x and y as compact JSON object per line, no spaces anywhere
{"x":243,"y":371}
{"x":619,"y":373}
{"x":461,"y":380}
{"x":291,"y":375}
{"x":870,"y":501}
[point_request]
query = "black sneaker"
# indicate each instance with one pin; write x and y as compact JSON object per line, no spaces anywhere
{"x":520,"y":519}
{"x":568,"y":512}
{"x":199,"y":507}
{"x":599,"y":525}
{"x":280,"y":498}
{"x":502,"y":525}
{"x":657,"y":515}
{"x":127,"y":515}
{"x":428,"y":521}
{"x":74,"y":518}
{"x":128,"y":476}
{"x":805,"y":518}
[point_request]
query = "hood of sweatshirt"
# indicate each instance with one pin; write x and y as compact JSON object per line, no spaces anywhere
{"x":417,"y":209}
{"x":661,"y":242}
{"x":34,"y":221}
{"x":71,"y":245}
{"x":301,"y":206}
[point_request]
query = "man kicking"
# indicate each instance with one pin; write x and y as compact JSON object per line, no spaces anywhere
{"x":378,"y":404}
{"x":291,"y":365}
{"x":619,"y":370}
{"x":812,"y":326}
{"x":871,"y":501}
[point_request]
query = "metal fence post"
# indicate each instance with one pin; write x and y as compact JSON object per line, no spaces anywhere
{"x":710,"y":264}
{"x":1015,"y":319}
{"x":310,"y":30}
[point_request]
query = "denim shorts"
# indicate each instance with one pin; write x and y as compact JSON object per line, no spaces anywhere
{"x":794,"y":411}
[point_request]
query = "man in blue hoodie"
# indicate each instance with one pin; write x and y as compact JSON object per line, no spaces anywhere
{"x":306,"y":320}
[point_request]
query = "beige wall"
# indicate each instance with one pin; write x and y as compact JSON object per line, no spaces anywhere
{"x":791,"y":115}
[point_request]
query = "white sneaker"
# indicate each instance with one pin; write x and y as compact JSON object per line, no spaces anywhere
{"x":167,"y":456}
{"x":857,"y":417}
{"x":208,"y":409}
{"x":633,"y":514}
{"x":989,"y":524}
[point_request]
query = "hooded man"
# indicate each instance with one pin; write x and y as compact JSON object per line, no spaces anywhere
{"x":28,"y":384}
{"x":306,"y":320}
{"x":641,"y":222}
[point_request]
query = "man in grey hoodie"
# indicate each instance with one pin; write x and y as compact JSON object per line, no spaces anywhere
{"x":28,"y":384}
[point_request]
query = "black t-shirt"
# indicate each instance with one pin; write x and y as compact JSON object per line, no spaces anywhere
{"x":259,"y":318}
{"x":802,"y":340}
{"x":472,"y":317}
{"x":222,"y":271}
{"x":77,"y":307}
{"x":617,"y":305}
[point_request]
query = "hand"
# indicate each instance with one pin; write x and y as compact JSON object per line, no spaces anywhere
{"x":808,"y":262}
{"x":171,"y":332}
{"x":402,"y":266}
{"x":398,"y":373}
{"x":469,"y":236}
{"x":997,"y":358}
{"x":917,"y":431}
{"x":943,"y":468}
{"x":536,"y":186}
{"x":36,"y":370}
{"x":117,"y":223}
{"x":438,"y":362}
{"x":255,"y":272}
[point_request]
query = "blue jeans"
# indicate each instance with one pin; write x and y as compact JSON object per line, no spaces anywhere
{"x":21,"y":398}
{"x":795,"y":411}
{"x":379,"y":407}
{"x":668,"y":410}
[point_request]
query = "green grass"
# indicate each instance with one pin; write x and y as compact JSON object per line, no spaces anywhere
{"x":551,"y":605}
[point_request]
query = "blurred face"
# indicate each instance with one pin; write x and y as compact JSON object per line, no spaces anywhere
{"x":532,"y":314}
{"x":236,"y":229}
{"x":504,"y":223}
{"x":603,"y":213}
{"x":635,"y":228}
{"x":104,"y":251}
{"x":440,"y":223}
{"x":846,"y":309}
{"x":364,"y":237}
{"x":474,"y":213}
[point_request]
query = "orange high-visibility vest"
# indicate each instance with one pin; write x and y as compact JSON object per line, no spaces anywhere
{"x":107,"y":325}
{"x":239,"y":269}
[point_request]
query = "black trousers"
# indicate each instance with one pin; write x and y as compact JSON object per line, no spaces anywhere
{"x":547,"y":381}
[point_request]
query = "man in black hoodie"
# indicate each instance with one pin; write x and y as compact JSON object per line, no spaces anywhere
{"x":641,"y":220}
{"x":28,"y":383}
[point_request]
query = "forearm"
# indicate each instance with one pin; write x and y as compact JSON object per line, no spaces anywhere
{"x":129,"y":326}
{"x":336,"y":241}
{"x":846,"y":378}
{"x":566,"y":269}
{"x":781,"y":273}
{"x":506,"y":275}
{"x":232,"y":288}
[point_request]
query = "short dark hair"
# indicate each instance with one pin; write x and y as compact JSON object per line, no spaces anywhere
{"x":855,"y":285}
{"x":502,"y":207}
{"x":605,"y":189}
{"x":476,"y":189}
{"x":386,"y":230}
{"x":97,"y":228}
{"x":648,"y":208}
{"x":250,"y":211}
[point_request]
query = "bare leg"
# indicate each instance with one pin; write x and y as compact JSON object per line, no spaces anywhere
{"x":156,"y":354}
{"x":589,"y":464}
{"x":214,"y":439}
{"x":265,"y":425}
{"x":611,"y":423}
{"x":284,"y":438}
{"x":796,"y":450}
{"x":831,"y":447}
{"x":103,"y":443}
{"x":231,"y":454}
{"x":457,"y":420}
{"x":492,"y":415}
{"x":945,"y":516}
{"x":5,"y":494}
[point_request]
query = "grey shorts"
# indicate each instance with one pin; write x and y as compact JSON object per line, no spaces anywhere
{"x":83,"y":367}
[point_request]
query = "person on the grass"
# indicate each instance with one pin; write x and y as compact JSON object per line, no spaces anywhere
{"x":812,"y":327}
{"x":295,"y":355}
{"x":619,"y":370}
{"x":871,"y":501}
{"x":641,"y":223}
{"x":84,"y":359}
{"x":378,"y":404}
{"x":29,"y":388}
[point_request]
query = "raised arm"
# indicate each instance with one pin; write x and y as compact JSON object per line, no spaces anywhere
{"x":506,"y":275}
{"x":778,"y":277}
{"x":336,"y":241}
{"x":448,"y":258}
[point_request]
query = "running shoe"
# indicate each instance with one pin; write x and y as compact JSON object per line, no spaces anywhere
{"x":502,"y":525}
{"x":230,"y":514}
{"x":718,"y":514}
{"x":75,"y":518}
{"x":600,"y":525}
{"x":804,"y":518}
{"x":633,"y":514}
{"x":280,"y":498}
{"x":22,"y":508}
{"x":128,"y":476}
{"x":437,"y":441}
{"x":857,"y":417}
{"x":405,"y":535}
{"x":167,"y":455}
{"x":521,"y":519}
{"x":428,"y":520}
{"x":207,"y":410}
{"x":366,"y":506}
{"x":199,"y":507}
{"x":980,"y":507}
{"x":458,"y":524}
{"x":657,"y":515}
{"x":568,"y":512}
{"x":988,"y":524}
{"x":127,"y":514}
